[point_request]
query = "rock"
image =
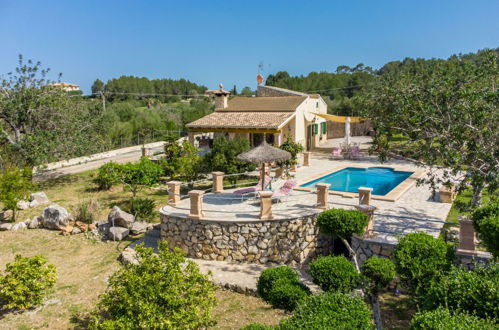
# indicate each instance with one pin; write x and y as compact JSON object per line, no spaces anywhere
{"x":35,"y":223}
{"x":103,"y":229}
{"x":33,"y":203}
{"x":81,"y":226}
{"x":40,"y":197}
{"x":120,"y":218}
{"x":23,"y":205}
{"x":55,"y":217}
{"x":5,"y":226}
{"x":139,"y":227}
{"x":19,"y":226}
{"x":92,"y":226}
{"x":129,"y":256}
{"x":76,"y":230}
{"x":118,"y":233}
{"x":5,"y":215}
{"x":65,"y":231}
{"x":27,"y":221}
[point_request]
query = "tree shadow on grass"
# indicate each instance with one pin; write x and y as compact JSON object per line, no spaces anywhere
{"x":81,"y":320}
{"x":50,"y":181}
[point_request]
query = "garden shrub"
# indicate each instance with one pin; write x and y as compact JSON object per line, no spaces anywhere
{"x":486,"y":223}
{"x":87,"y":211}
{"x":164,"y":291}
{"x":140,"y":174}
{"x":26,"y":282}
{"x":287,"y":294}
{"x":334,"y":274}
{"x":475,"y":292}
{"x":330,"y":310}
{"x":420,"y":258}
{"x":342,"y":223}
{"x":443,"y":319}
{"x":15,"y":186}
{"x":257,"y":326}
{"x":270,"y":276}
{"x":142,"y":208}
{"x":378,"y":272}
{"x":108,"y":175}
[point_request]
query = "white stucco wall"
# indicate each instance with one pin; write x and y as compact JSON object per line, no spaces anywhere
{"x":310,"y":105}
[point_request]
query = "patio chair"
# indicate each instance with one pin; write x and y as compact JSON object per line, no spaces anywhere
{"x":355,"y":152}
{"x":285,"y":190}
{"x":251,"y":190}
{"x":337,"y":153}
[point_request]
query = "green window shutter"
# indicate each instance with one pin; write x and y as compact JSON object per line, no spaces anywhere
{"x":324,"y":128}
{"x":316,"y":129}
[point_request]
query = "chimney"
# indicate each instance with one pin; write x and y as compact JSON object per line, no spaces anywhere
{"x":221,"y":98}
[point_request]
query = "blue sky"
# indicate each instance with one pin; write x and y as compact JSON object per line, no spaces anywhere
{"x":209,"y":42}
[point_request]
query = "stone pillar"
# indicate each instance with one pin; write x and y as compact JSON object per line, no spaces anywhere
{"x":294,"y":168}
{"x":466,"y":236}
{"x":218,"y":181}
{"x":365,"y":195}
{"x":306,"y":158}
{"x":369,"y":211}
{"x":173,"y":192}
{"x":322,"y":195}
{"x":191,"y":138}
{"x":266,"y":205}
{"x":145,"y":151}
{"x":196,"y":197}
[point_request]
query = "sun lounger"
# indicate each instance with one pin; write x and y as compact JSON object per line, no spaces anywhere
{"x":285,"y":190}
{"x":337,"y":153}
{"x":355,"y":152}
{"x":254,"y":189}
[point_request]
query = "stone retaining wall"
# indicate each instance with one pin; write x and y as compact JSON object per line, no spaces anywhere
{"x":292,"y":241}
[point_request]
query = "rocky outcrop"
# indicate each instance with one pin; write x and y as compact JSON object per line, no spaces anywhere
{"x":118,"y":233}
{"x":55,"y":217}
{"x":120,"y":218}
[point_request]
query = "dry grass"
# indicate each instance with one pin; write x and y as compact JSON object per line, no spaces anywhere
{"x":396,"y":311}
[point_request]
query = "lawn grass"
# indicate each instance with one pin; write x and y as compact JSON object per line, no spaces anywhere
{"x":461,"y":205}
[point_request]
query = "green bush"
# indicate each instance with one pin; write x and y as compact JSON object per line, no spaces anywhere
{"x":486,"y":223}
{"x":15,"y":186}
{"x":378,"y":272}
{"x":140,"y":174}
{"x":420,"y":258}
{"x":334,"y":274}
{"x":286,"y":295}
{"x":142,"y":208}
{"x":164,"y":291}
{"x":257,"y":326}
{"x":443,"y":319}
{"x":270,"y":276}
{"x":26,"y":282}
{"x":108,"y":175}
{"x":88,"y":211}
{"x":475,"y":292}
{"x":331,"y":310}
{"x":342,"y":223}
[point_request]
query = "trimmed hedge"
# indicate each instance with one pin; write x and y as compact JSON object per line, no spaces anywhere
{"x":331,"y":310}
{"x":342,"y":223}
{"x":486,"y":223}
{"x":334,"y":274}
{"x":287,"y":295}
{"x":269,"y":276}
{"x":420,"y":258}
{"x":379,"y":272}
{"x":475,"y":292}
{"x":443,"y":319}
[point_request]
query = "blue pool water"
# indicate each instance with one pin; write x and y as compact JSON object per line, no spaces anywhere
{"x":381,"y":179}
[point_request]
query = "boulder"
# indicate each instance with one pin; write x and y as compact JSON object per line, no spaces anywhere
{"x":40,"y":197}
{"x":139,"y":227}
{"x":120,"y":218}
{"x":19,"y":226}
{"x":66,"y":231}
{"x":6,"y":215}
{"x":92,"y":226}
{"x":103,"y":228}
{"x":23,"y":205}
{"x":5,"y":226}
{"x":33,"y":203}
{"x":55,"y":217}
{"x":129,"y":256}
{"x":35,"y":223}
{"x":118,"y":233}
{"x":81,"y":226}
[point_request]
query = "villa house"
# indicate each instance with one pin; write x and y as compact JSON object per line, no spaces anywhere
{"x":274,"y":114}
{"x":66,"y":86}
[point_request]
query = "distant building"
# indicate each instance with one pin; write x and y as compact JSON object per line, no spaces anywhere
{"x":66,"y":86}
{"x":274,"y":114}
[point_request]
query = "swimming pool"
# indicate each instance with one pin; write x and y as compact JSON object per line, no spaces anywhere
{"x":381,"y":179}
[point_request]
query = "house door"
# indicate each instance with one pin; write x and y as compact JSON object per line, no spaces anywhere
{"x":309,"y":137}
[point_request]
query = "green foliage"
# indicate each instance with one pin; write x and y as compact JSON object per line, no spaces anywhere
{"x":165,"y":291}
{"x":486,"y":223}
{"x":287,"y":294}
{"x":256,"y":326}
{"x":143,"y":173}
{"x":142,"y":208}
{"x":293,"y":148}
{"x":420,"y":258}
{"x":25,"y":282}
{"x":331,"y":310}
{"x":15,"y":186}
{"x":223,"y":156}
{"x":108,"y":175}
{"x":88,"y":211}
{"x":342,"y":223}
{"x":475,"y":291}
{"x":182,"y":160}
{"x":270,"y":276}
{"x":443,"y":319}
{"x":334,"y":274}
{"x":378,"y":273}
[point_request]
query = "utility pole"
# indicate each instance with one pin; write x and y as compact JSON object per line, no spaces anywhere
{"x":103,"y":100}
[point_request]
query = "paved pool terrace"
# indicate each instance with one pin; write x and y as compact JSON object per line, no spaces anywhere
{"x":413,"y":210}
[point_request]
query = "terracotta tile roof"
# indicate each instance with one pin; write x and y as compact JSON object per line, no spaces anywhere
{"x":314,"y":96}
{"x":274,"y":103}
{"x":241,"y":120}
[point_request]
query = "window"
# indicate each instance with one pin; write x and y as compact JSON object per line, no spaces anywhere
{"x":324,"y":127}
{"x":316,"y":129}
{"x":317,"y":104}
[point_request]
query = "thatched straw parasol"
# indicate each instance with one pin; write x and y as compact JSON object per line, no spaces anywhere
{"x":262,"y":154}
